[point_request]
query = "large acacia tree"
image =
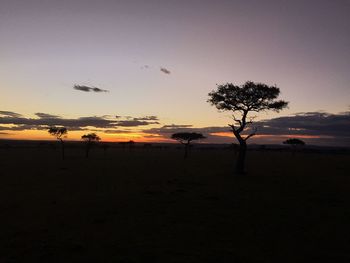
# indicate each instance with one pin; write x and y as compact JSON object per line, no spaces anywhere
{"x":59,"y":133}
{"x":241,"y":101}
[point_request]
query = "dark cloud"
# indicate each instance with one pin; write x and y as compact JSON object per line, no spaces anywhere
{"x":167,"y":130}
{"x":98,"y":122}
{"x":99,"y":90}
{"x":83,"y":123}
{"x":134,"y":123}
{"x":164,"y":70}
{"x":88,"y":89}
{"x":45,"y":115}
{"x":179,"y":126}
{"x":24,"y":127}
{"x":117,"y":131}
{"x":317,"y":127}
{"x":147,"y":118}
{"x":4,"y":133}
{"x":10,"y":114}
{"x":151,"y":136}
{"x":311,"y":123}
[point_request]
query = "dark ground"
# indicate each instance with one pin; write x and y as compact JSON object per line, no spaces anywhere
{"x":149,"y":205}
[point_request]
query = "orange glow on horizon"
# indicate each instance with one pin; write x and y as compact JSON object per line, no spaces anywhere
{"x":76,"y":136}
{"x":134,"y":136}
{"x":299,"y":136}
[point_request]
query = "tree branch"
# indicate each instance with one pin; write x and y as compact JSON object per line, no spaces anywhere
{"x":251,"y":135}
{"x":232,"y":127}
{"x":237,"y":120}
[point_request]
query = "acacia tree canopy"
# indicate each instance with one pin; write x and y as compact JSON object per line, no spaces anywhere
{"x":187,"y":137}
{"x":249,"y":97}
{"x":58,"y":132}
{"x":91,"y":137}
{"x":294,"y":141}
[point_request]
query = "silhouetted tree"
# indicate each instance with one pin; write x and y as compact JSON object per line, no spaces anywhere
{"x":105,"y":147}
{"x":59,"y":133}
{"x":186,"y":138}
{"x":294,"y":143}
{"x":250,"y":97}
{"x":131,"y":144}
{"x":90,"y":139}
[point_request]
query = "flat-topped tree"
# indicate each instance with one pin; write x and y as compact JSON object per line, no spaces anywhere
{"x":186,"y":138}
{"x":294,"y":143}
{"x":59,"y":133}
{"x":90,"y":139}
{"x":242,"y":100}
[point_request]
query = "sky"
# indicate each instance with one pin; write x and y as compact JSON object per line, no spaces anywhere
{"x":122,"y":62}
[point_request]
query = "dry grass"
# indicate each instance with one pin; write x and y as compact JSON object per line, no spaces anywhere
{"x":152,"y":206}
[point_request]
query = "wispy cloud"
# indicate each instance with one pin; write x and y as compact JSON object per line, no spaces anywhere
{"x":117,"y":131}
{"x":45,"y":115}
{"x":88,"y":89}
{"x":10,"y":114}
{"x":164,"y":70}
{"x":145,"y":67}
{"x":147,"y":118}
{"x":135,"y":123}
{"x":176,"y":126}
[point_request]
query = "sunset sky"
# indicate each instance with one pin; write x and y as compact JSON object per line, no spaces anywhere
{"x":153,"y":63}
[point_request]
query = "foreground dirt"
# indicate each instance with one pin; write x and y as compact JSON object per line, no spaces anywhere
{"x":152,"y":206}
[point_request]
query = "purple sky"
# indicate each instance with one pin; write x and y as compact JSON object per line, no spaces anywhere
{"x":163,"y":57}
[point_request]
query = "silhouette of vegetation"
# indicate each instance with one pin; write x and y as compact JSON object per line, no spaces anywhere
{"x":294,"y":143}
{"x":59,"y":133}
{"x":105,"y":147}
{"x":186,"y":138}
{"x":90,"y":139}
{"x":129,"y":144}
{"x":242,"y":100}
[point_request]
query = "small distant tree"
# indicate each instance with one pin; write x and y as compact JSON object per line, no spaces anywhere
{"x":90,"y":139}
{"x":186,"y":138}
{"x":105,"y":147}
{"x":131,"y":144}
{"x":294,"y":143}
{"x":242,"y":100}
{"x":59,"y":133}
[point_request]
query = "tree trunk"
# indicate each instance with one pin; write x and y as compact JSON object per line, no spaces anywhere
{"x":62,"y":146}
{"x":186,"y":151}
{"x":87,"y":151}
{"x":241,"y":158}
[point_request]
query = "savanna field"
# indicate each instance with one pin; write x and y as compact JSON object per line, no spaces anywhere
{"x":151,"y":205}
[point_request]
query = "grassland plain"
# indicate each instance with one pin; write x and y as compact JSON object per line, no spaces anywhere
{"x":151,"y":205}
